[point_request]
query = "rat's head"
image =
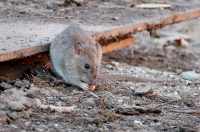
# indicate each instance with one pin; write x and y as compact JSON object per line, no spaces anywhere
{"x":88,"y":59}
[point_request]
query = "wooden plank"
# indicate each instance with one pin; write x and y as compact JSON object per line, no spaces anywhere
{"x":118,"y":45}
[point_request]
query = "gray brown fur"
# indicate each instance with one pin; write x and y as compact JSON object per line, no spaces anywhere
{"x":71,"y":66}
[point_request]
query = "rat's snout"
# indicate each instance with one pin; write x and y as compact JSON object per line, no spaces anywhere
{"x":93,"y":80}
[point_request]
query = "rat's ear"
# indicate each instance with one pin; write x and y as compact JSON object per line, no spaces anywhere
{"x":97,"y":45}
{"x":78,"y":48}
{"x":99,"y":51}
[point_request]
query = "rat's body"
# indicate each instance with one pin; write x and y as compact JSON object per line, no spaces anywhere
{"x":76,"y":57}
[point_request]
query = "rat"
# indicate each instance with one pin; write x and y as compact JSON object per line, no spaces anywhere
{"x":76,"y":57}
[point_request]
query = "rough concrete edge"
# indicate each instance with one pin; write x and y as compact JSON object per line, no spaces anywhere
{"x":150,"y":25}
{"x":110,"y":34}
{"x":24,"y":52}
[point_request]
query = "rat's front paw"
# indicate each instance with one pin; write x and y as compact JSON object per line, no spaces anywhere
{"x":85,"y":86}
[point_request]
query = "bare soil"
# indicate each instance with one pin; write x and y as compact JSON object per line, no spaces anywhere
{"x":113,"y":105}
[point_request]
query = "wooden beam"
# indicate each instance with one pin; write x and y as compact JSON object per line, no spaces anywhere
{"x":118,"y":45}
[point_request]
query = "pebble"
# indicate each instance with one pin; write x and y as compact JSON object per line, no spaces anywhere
{"x":119,"y":69}
{"x":120,"y":101}
{"x":190,"y":75}
{"x":27,"y":123}
{"x":138,"y":122}
{"x":132,"y":88}
{"x":176,"y":93}
{"x":23,"y":83}
{"x":91,"y":128}
{"x":123,"y":99}
{"x":155,"y":124}
{"x":171,"y":97}
{"x":128,"y":84}
{"x":143,"y":90}
{"x":5,"y":85}
{"x":115,"y":63}
{"x":49,"y":4}
{"x":32,"y":92}
{"x":15,"y":106}
{"x":171,"y":47}
{"x":2,"y":106}
{"x":59,"y":2}
{"x":131,"y":110}
{"x":13,"y":126}
{"x":89,"y":101}
{"x":109,"y":66}
{"x":195,"y":94}
{"x":116,"y":18}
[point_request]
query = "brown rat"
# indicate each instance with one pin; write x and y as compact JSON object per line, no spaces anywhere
{"x":76,"y":57}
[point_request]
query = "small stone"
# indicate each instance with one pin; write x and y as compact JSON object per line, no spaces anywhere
{"x":64,"y":99}
{"x":39,"y":130}
{"x":54,"y":117}
{"x":59,"y":2}
{"x":88,"y":120}
{"x":171,"y":47}
{"x":190,"y":75}
{"x":188,"y":99}
{"x":129,"y":84}
{"x":115,"y":63}
{"x":116,"y":18}
{"x":124,"y":99}
{"x":109,"y":66}
{"x":155,"y":124}
{"x":132,"y":110}
{"x":120,"y":101}
{"x":27,"y":123}
{"x":23,"y":83}
{"x":176,"y":93}
{"x":196,"y":43}
{"x":27,"y":103}
{"x":88,"y":101}
{"x":120,"y":69}
{"x":171,"y":97}
{"x":49,"y":5}
{"x":195,"y":94}
{"x":32,"y":92}
{"x":13,"y":126}
{"x":2,"y":106}
{"x":138,"y":122}
{"x":91,"y":128}
{"x":38,"y":102}
{"x":15,"y":106}
{"x":5,"y":86}
{"x":101,"y":130}
{"x":182,"y":42}
{"x":41,"y":126}
{"x":143,"y":90}
{"x":132,"y":88}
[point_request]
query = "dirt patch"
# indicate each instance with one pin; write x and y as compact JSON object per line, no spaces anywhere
{"x":114,"y":105}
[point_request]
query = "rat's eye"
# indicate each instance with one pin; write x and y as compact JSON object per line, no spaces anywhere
{"x":87,"y":66}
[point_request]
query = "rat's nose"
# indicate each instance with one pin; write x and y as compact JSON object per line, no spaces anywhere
{"x":93,"y":81}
